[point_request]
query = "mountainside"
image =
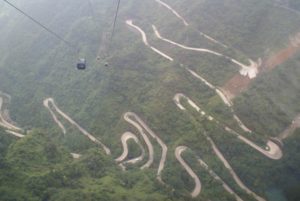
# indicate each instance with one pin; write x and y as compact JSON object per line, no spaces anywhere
{"x":199,"y":101}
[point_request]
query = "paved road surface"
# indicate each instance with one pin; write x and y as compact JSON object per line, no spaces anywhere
{"x":273,"y":151}
{"x":144,"y":37}
{"x":141,"y":126}
{"x":197,"y":189}
{"x":125,"y":137}
{"x":70,"y":120}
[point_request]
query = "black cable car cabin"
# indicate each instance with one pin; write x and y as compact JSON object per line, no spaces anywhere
{"x":81,"y":65}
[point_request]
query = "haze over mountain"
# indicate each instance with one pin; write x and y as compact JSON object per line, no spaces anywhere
{"x":199,"y":100}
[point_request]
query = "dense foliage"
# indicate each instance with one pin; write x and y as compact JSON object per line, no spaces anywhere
{"x":35,"y":65}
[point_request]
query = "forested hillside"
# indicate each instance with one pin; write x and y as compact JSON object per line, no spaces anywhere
{"x":199,"y":100}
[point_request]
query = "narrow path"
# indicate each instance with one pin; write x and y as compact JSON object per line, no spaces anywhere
{"x":187,"y":24}
{"x":125,"y":137}
{"x":224,"y":98}
{"x":158,"y":35}
{"x":60,"y":125}
{"x":272,"y":151}
{"x":246,"y":70}
{"x":173,"y":11}
{"x":4,"y":121}
{"x":249,"y":71}
{"x":19,"y":135}
{"x":127,"y":117}
{"x":291,"y":129}
{"x":139,"y":123}
{"x":144,"y":37}
{"x":83,"y":131}
{"x":231,"y":171}
{"x":217,"y":178}
{"x":197,"y":189}
{"x":211,"y":86}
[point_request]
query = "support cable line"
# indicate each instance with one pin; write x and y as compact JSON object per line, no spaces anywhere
{"x":115,"y":20}
{"x":92,"y":10}
{"x":43,"y":26}
{"x":114,"y":27}
{"x":110,"y":40}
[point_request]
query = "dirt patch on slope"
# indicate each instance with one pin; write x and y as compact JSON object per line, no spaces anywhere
{"x":238,"y":83}
{"x":279,"y":58}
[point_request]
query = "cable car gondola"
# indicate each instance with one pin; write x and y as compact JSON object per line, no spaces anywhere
{"x":81,"y":65}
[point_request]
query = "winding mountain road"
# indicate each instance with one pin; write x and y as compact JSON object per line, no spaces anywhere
{"x":125,"y":137}
{"x":217,"y":178}
{"x":177,"y":99}
{"x":71,"y":121}
{"x":3,"y":121}
{"x":60,"y":125}
{"x":19,"y":135}
{"x":273,"y":151}
{"x":231,"y":171}
{"x":246,"y":70}
{"x":173,"y":11}
{"x":127,"y":117}
{"x":187,"y":24}
{"x":137,"y":122}
{"x":144,"y":37}
{"x":223,"y":97}
{"x":251,"y":70}
{"x":211,"y":86}
{"x":198,"y":186}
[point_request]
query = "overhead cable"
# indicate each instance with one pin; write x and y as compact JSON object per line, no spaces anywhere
{"x":115,"y":20}
{"x":41,"y":25}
